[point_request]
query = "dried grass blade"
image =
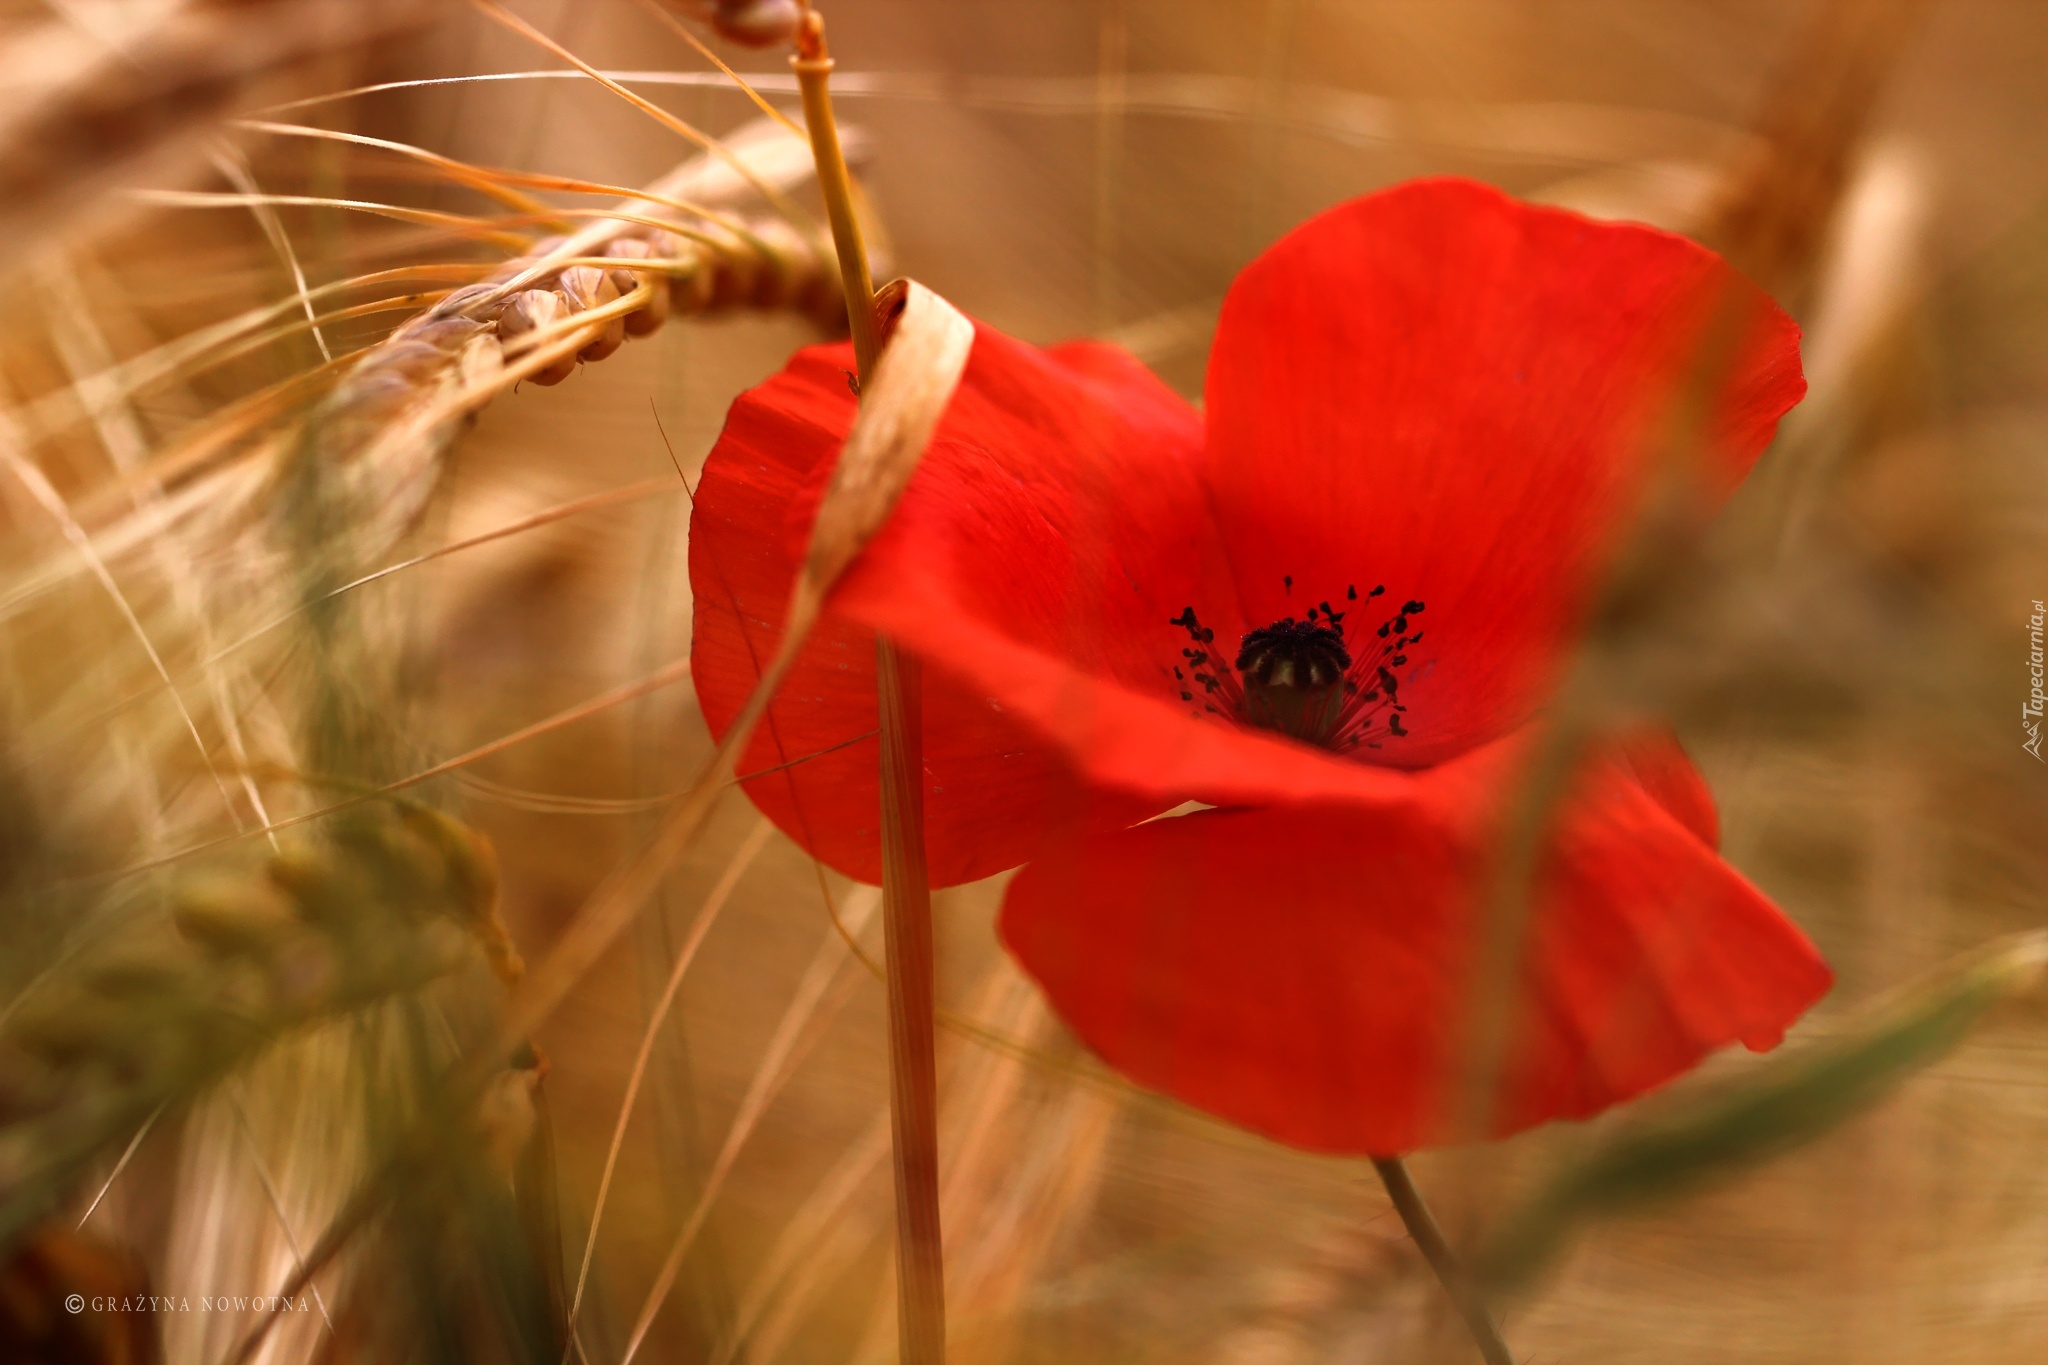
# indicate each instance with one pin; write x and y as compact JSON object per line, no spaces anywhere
{"x":276,"y":1202}
{"x":46,"y":496}
{"x":490,"y":183}
{"x":715,"y":60}
{"x":782,"y":202}
{"x":666,"y":676}
{"x":742,"y":858}
{"x":682,"y":30}
{"x":85,"y":350}
{"x":777,"y":1062}
{"x":913,"y":1004}
{"x":912,"y":386}
{"x":120,"y":1165}
{"x":230,"y":162}
{"x":1544,"y":132}
{"x":495,"y":180}
{"x":906,"y":885}
{"x":804,"y":1236}
{"x":466,"y":225}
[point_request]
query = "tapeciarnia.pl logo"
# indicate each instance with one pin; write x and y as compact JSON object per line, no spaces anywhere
{"x":2030,"y":712}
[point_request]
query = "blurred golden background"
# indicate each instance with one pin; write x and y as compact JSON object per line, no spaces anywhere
{"x":1849,"y":669}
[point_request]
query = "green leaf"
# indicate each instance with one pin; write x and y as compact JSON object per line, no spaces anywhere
{"x":1786,"y":1100}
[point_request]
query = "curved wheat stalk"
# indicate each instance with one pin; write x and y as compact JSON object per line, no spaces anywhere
{"x":389,"y":411}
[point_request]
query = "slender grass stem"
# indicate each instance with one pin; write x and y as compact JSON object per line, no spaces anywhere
{"x":813,"y":66}
{"x":906,"y":886}
{"x":1450,"y":1271}
{"x":913,"y":1080}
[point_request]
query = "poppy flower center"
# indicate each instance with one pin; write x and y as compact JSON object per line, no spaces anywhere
{"x":1293,"y":678}
{"x":1303,"y":678}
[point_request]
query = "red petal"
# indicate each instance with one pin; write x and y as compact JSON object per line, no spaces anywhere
{"x":993,"y":785}
{"x":1303,"y":972}
{"x":1655,"y":760}
{"x":1615,"y":295}
{"x":1448,"y":391}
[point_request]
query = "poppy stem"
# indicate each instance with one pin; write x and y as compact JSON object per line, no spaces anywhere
{"x":1450,"y":1271}
{"x":906,"y":884}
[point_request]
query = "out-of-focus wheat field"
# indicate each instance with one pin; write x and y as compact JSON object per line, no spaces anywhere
{"x":189,"y":659}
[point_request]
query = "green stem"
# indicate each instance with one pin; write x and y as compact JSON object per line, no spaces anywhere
{"x":1450,"y":1271}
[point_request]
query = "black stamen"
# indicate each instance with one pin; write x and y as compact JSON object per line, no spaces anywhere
{"x":1299,"y":677}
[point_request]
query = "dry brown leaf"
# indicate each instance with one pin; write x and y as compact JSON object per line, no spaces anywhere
{"x":926,"y":353}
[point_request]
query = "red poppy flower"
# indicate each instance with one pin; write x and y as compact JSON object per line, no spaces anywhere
{"x":1328,"y":607}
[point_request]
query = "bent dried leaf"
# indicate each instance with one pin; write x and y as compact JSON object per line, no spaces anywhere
{"x":926,"y":354}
